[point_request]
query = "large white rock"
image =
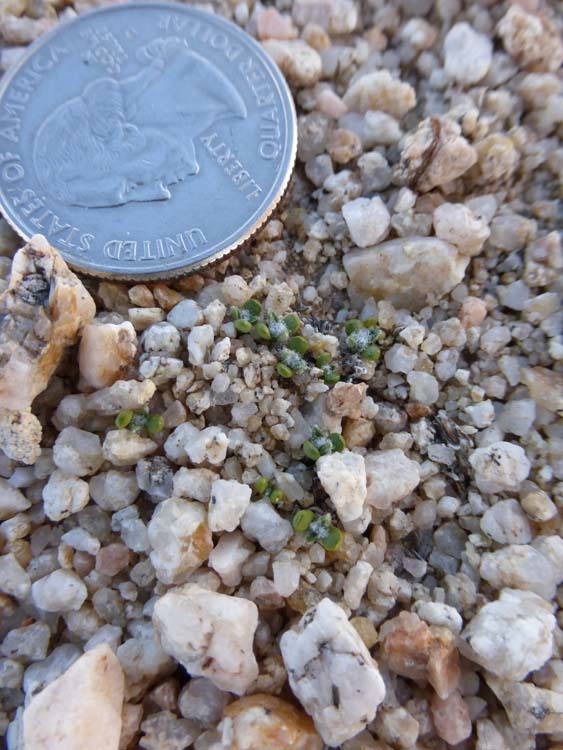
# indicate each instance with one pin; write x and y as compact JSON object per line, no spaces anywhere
{"x":64,"y":495}
{"x":506,"y":522}
{"x":180,"y":539}
{"x":529,"y":624}
{"x":467,"y":54}
{"x":332,"y":673}
{"x":343,"y":476}
{"x":367,"y":220}
{"x":59,"y":591}
{"x":499,"y":467}
{"x":459,"y":225}
{"x":81,"y":710}
{"x":408,"y":272}
{"x":537,"y":567}
{"x":264,"y":525}
{"x":210,"y":634}
{"x":77,"y":452}
{"x":229,"y":500}
{"x":391,"y":476}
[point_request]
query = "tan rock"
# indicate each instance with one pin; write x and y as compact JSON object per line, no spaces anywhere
{"x":413,"y":649}
{"x":545,"y":386}
{"x":529,"y":708}
{"x":106,"y":352}
{"x":379,"y":91}
{"x":436,"y":153}
{"x":263,"y":721}
{"x":81,"y":710}
{"x":408,"y":272}
{"x":45,"y":307}
{"x":345,"y":399}
{"x":451,"y":718}
{"x":20,"y":435}
{"x":531,"y":39}
{"x":180,"y":539}
{"x":272,"y":25}
{"x":299,"y":63}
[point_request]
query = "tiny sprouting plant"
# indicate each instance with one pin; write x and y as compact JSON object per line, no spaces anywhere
{"x":361,"y":337}
{"x":264,"y":488}
{"x":318,"y":528}
{"x":138,"y":420}
{"x":321,"y":445}
{"x":292,"y":350}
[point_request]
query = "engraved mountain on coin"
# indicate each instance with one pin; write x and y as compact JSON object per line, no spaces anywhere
{"x":130,"y":139}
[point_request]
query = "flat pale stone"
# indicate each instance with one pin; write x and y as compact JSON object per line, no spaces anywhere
{"x":408,"y":272}
{"x":180,"y":539}
{"x":81,"y":710}
{"x":332,"y":673}
{"x":261,"y":721}
{"x":210,"y":634}
{"x":530,"y":709}
{"x":125,"y":448}
{"x":391,"y":476}
{"x":523,"y":566}
{"x":528,"y":620}
{"x":499,"y":467}
{"x":45,"y":307}
{"x":106,"y":352}
{"x":343,"y":476}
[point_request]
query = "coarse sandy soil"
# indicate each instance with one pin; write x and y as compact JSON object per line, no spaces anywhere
{"x":311,"y":497}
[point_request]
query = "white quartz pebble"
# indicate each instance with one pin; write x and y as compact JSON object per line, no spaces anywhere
{"x":332,"y":673}
{"x":210,"y":634}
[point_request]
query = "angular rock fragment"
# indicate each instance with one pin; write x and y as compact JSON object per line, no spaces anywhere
{"x":412,"y":649}
{"x":343,"y":476}
{"x":263,"y":721}
{"x":529,"y":708}
{"x":106,"y":352}
{"x":45,"y":307}
{"x":20,"y":435}
{"x":180,"y":539}
{"x":408,"y":272}
{"x":435,"y":154}
{"x":210,"y":634}
{"x":527,"y":619}
{"x":391,"y":476}
{"x":80,"y":709}
{"x":332,"y":673}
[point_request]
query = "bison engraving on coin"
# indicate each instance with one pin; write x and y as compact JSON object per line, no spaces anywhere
{"x":110,"y":145}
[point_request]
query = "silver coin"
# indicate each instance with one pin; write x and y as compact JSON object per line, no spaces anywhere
{"x":144,"y":140}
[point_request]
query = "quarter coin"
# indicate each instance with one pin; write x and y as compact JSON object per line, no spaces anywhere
{"x":144,"y":140}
